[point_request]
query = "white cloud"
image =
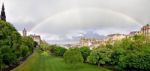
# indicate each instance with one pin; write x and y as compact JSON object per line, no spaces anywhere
{"x":61,"y":20}
{"x":76,"y":33}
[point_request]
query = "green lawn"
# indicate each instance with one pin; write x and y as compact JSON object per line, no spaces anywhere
{"x":38,"y":62}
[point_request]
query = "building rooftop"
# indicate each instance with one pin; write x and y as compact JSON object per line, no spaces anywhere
{"x":117,"y":34}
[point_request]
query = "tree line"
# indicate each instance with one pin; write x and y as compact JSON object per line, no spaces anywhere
{"x":128,"y":54}
{"x":13,"y":47}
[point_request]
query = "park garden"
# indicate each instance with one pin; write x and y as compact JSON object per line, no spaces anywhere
{"x":129,"y":54}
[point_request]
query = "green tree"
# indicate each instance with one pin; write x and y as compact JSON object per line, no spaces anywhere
{"x":85,"y":51}
{"x":132,"y":53}
{"x":28,"y":41}
{"x":10,"y":44}
{"x":73,"y":57}
{"x":24,"y":50}
{"x":7,"y":56}
{"x":100,"y":56}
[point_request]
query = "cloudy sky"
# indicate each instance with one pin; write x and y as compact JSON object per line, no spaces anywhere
{"x":60,"y":21}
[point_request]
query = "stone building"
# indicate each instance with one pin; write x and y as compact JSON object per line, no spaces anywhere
{"x":37,"y":38}
{"x":90,"y":42}
{"x":114,"y":37}
{"x":146,"y":30}
{"x":93,"y":42}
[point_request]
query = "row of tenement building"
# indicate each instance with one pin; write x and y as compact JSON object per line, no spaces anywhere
{"x":93,"y":42}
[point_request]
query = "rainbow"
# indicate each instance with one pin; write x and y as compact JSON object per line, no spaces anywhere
{"x":101,"y":10}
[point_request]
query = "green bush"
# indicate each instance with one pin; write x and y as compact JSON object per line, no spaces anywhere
{"x":60,"y":51}
{"x":24,"y":51}
{"x":44,"y":47}
{"x":57,"y":50}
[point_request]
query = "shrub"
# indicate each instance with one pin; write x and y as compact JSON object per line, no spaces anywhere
{"x":57,"y":50}
{"x":44,"y":47}
{"x":24,"y":51}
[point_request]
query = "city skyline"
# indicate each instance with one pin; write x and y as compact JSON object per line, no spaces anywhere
{"x":68,"y":20}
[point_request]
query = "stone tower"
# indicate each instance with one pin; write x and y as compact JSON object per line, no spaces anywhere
{"x":3,"y":16}
{"x":24,"y":32}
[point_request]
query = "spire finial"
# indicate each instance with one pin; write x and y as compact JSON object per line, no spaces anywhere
{"x":3,"y":16}
{"x":3,"y":7}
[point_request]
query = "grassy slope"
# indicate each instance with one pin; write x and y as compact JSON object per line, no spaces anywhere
{"x":39,"y":62}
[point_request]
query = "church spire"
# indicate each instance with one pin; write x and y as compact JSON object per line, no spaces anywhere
{"x":3,"y":16}
{"x":24,"y":32}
